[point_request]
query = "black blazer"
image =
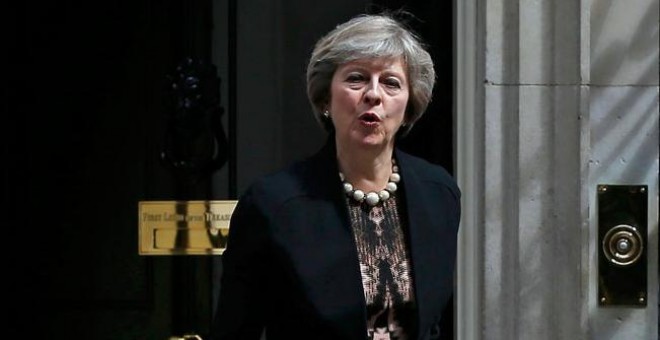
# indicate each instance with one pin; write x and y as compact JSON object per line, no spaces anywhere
{"x":291,"y":264}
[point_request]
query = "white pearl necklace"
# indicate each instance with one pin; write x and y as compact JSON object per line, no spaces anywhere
{"x":372,"y":198}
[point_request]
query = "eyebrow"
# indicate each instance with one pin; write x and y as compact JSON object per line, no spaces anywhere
{"x":387,"y":72}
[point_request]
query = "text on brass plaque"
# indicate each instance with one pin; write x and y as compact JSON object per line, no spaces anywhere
{"x":184,"y":227}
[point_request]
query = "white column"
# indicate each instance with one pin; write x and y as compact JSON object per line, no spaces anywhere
{"x":623,"y":141}
{"x":553,"y":87}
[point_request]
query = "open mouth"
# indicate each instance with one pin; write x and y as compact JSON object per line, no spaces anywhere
{"x":369,"y":118}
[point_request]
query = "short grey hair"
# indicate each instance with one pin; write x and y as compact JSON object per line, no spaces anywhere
{"x":370,"y":36}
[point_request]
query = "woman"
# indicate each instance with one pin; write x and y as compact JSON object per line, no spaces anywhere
{"x":359,"y":240}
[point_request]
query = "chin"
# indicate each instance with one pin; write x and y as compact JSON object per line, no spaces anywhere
{"x":368,"y":140}
{"x":372,"y":141}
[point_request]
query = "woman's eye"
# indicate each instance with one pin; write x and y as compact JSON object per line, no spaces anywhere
{"x":393,"y":83}
{"x":354,"y":78}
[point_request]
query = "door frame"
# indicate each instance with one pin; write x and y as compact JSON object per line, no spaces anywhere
{"x":468,"y":106}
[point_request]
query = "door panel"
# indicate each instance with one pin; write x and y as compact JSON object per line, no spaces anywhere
{"x":88,"y":102}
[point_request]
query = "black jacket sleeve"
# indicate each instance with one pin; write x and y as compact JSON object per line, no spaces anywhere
{"x":242,"y":303}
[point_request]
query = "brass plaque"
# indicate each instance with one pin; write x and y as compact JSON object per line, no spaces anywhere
{"x":184,"y":227}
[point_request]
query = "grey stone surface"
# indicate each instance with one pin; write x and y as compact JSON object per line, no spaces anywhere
{"x":532,"y":233}
{"x":571,"y":101}
{"x":532,"y":42}
{"x":623,"y":123}
{"x":624,"y":42}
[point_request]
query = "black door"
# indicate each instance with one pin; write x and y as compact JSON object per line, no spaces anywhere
{"x":87,"y":107}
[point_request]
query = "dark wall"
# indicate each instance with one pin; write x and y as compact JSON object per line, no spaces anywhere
{"x":88,"y":96}
{"x":85,"y":115}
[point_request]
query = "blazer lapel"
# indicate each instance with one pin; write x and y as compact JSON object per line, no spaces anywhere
{"x":338,"y":223}
{"x":420,"y":248}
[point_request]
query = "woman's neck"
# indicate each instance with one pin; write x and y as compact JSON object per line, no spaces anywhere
{"x":367,"y":170}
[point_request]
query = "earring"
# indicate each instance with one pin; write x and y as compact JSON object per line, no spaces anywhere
{"x":326,"y":114}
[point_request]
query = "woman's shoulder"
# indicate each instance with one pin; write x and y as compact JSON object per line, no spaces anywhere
{"x":427,"y":171}
{"x":302,"y":177}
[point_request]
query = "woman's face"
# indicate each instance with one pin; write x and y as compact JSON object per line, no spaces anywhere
{"x":368,"y":101}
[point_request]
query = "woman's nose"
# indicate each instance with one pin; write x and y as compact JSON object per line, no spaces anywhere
{"x":372,"y":94}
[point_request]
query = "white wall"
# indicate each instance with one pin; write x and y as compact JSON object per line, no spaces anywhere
{"x":623,"y":140}
{"x":559,"y":96}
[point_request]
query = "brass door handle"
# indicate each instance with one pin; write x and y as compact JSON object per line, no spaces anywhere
{"x":186,"y":337}
{"x":623,"y":245}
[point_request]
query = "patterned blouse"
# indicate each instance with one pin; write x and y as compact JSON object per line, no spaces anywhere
{"x":386,"y":269}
